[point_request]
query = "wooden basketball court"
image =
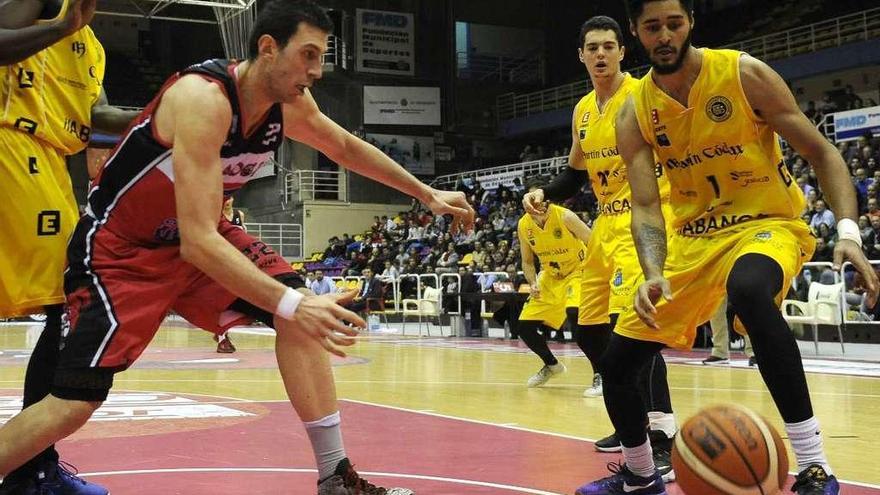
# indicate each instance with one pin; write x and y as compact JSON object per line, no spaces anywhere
{"x":439,"y":415}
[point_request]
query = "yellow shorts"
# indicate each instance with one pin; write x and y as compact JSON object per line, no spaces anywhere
{"x":555,"y":296}
{"x":611,"y":270}
{"x":38,"y":215}
{"x":697,"y":269}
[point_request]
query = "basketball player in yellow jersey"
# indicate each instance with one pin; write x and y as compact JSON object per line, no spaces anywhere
{"x":611,"y":267}
{"x":50,"y":100}
{"x":711,"y":116}
{"x":558,"y":238}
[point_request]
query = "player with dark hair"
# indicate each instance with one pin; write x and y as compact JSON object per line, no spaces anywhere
{"x":611,"y":267}
{"x":711,"y":117}
{"x":158,"y":199}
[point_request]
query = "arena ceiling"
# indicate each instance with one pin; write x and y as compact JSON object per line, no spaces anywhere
{"x":200,"y":11}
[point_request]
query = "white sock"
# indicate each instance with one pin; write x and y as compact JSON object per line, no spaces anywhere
{"x":639,"y":459}
{"x":661,"y":421}
{"x":806,"y":441}
{"x":326,"y":437}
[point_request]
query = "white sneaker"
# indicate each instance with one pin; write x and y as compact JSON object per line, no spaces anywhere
{"x":546,"y":373}
{"x":596,"y":389}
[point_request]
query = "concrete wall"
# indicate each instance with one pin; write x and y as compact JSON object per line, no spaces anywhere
{"x":322,"y":220}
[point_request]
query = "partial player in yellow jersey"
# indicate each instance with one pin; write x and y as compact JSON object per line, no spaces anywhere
{"x":611,"y":269}
{"x":50,"y":100}
{"x":711,"y":117}
{"x":558,"y":239}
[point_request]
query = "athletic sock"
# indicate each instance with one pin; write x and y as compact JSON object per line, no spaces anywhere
{"x":661,"y":421}
{"x":640,"y":459}
{"x":326,"y":437}
{"x":806,"y":441}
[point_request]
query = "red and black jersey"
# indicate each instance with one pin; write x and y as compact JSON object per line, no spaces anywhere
{"x":133,"y":196}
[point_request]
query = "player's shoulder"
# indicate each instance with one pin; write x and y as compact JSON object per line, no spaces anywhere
{"x":193,"y":91}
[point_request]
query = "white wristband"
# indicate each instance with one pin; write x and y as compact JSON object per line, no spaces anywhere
{"x":848,"y":229}
{"x":288,"y":303}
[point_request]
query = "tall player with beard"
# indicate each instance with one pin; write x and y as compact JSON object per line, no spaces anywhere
{"x":611,"y":267}
{"x":711,"y":116}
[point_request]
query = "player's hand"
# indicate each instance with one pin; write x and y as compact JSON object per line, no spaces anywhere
{"x":534,"y":202}
{"x":79,"y":13}
{"x":847,"y":250}
{"x":321,"y":318}
{"x":534,"y":291}
{"x":453,"y":203}
{"x":647,"y":296}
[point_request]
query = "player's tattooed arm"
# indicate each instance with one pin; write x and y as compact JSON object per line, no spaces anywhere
{"x":651,"y":246}
{"x":110,"y":119}
{"x":648,"y":227}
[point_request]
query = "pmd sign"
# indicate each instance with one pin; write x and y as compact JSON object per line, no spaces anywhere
{"x":853,"y":124}
{"x":384,"y":19}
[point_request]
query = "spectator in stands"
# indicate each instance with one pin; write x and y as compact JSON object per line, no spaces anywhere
{"x":828,"y":235}
{"x":389,"y":224}
{"x":448,"y":261}
{"x":822,"y":215}
{"x":865,"y":227}
{"x":862,"y":181}
{"x":486,"y":279}
{"x":851,"y":99}
{"x":873,"y":210}
{"x":402,"y":256}
{"x":828,"y":105}
{"x":823,"y":251}
{"x":322,"y":285}
{"x":416,"y":234}
{"x":872,"y":248}
{"x":811,"y":112}
{"x":804,"y":185}
{"x":370,"y":289}
{"x":390,"y":272}
{"x":357,"y":262}
{"x":310,"y":277}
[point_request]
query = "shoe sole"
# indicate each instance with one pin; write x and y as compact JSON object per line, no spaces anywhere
{"x":668,"y":477}
{"x":616,"y":448}
{"x":717,"y":363}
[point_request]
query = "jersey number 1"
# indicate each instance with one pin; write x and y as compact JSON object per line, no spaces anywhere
{"x":712,"y":180}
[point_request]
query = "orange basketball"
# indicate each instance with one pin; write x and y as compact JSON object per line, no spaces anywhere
{"x":729,"y":450}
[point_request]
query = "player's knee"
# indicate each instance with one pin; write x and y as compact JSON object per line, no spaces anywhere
{"x":754,"y":280}
{"x":70,"y":415}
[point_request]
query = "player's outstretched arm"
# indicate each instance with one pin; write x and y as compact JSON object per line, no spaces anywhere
{"x":576,"y":226}
{"x":528,"y":260}
{"x":304,"y":122}
{"x":772,"y":101}
{"x":20,"y":37}
{"x":110,"y":119}
{"x":195,"y":116}
{"x":648,"y":227}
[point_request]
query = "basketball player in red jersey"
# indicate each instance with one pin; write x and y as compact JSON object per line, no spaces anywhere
{"x":158,"y":201}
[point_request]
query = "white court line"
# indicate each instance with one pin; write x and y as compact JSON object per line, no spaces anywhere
{"x":456,"y":481}
{"x":520,"y":428}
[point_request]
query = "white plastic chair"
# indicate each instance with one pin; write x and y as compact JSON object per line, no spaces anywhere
{"x":428,"y":306}
{"x":823,"y":307}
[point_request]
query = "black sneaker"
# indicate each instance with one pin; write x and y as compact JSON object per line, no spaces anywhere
{"x":753,"y":361}
{"x":661,"y":445}
{"x":716,"y":361}
{"x":608,"y":444}
{"x":815,"y":481}
{"x":346,"y":481}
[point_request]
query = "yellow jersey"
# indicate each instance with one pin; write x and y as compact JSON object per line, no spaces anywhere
{"x":723,"y":162}
{"x":558,"y":250}
{"x":50,"y":95}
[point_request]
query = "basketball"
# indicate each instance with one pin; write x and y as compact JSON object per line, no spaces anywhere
{"x":729,"y":450}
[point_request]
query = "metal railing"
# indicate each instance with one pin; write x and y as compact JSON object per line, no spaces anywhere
{"x":308,"y":185}
{"x":805,"y":39}
{"x":285,"y":238}
{"x":536,"y":167}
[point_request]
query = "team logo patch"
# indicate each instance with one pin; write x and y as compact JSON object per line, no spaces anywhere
{"x":763,"y":236}
{"x":719,"y":108}
{"x":583,"y":134}
{"x":557,"y":233}
{"x":617,"y":281}
{"x":663,"y":140}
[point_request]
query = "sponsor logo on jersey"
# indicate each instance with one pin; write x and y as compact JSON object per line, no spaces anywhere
{"x":616,"y":206}
{"x":79,"y":48}
{"x":585,"y":118}
{"x":663,"y":140}
{"x":719,"y":108}
{"x":25,"y":78}
{"x":763,"y":236}
{"x":746,"y":178}
{"x":25,"y":124}
{"x":557,"y":233}
{"x":167,"y":231}
{"x":583,"y":135}
{"x":709,"y":153}
{"x":81,"y":131}
{"x":713,"y":223}
{"x":48,"y":222}
{"x":655,"y":116}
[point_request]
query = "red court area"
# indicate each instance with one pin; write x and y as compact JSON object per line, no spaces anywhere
{"x":160,"y":443}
